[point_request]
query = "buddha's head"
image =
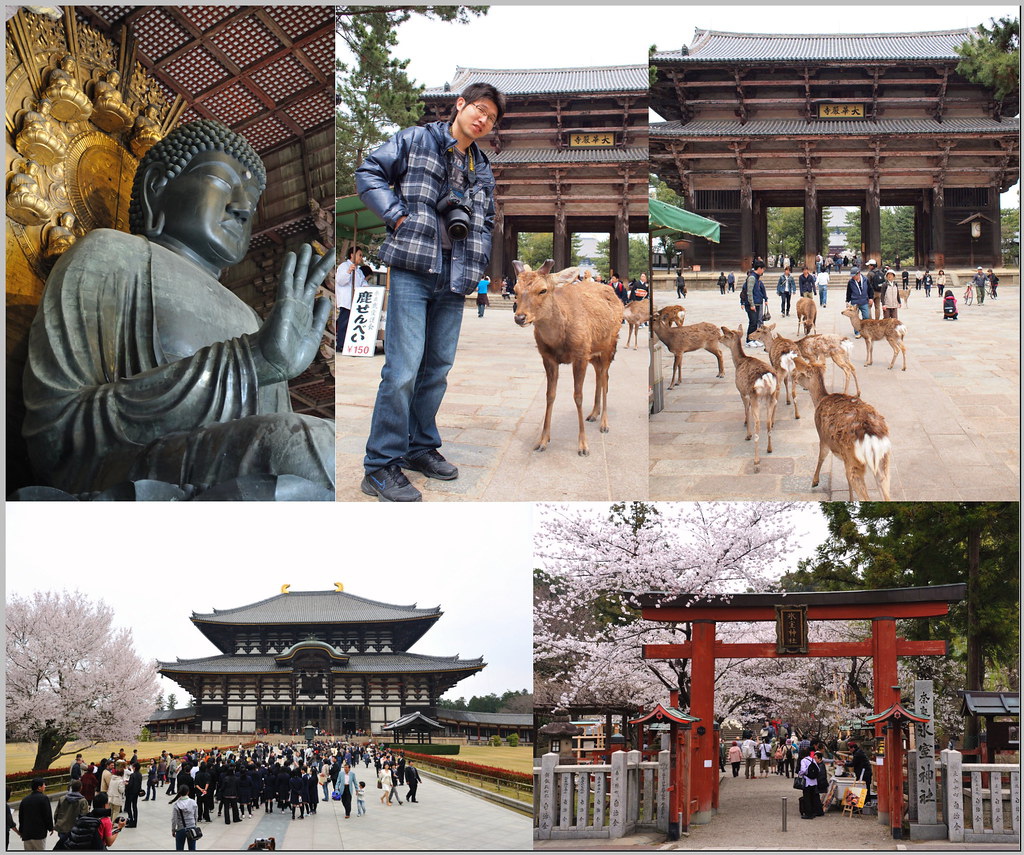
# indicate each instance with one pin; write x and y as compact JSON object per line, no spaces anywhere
{"x":195,"y":192}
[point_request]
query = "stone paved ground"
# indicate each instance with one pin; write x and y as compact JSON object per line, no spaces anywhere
{"x":954,"y":415}
{"x":444,"y":818}
{"x":491,"y":418}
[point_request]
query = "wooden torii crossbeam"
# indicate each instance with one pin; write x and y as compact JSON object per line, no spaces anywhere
{"x":791,"y":612}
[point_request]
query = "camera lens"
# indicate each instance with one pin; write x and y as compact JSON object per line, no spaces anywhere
{"x":457,"y":230}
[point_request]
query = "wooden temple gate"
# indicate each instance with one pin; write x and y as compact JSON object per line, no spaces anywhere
{"x":854,"y":120}
{"x":569,"y":156}
{"x":791,"y":612}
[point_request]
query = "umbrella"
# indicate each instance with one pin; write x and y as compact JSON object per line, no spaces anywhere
{"x":354,"y":220}
{"x":667,"y":219}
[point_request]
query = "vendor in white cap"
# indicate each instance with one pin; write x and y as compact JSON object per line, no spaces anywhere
{"x":876,"y":278}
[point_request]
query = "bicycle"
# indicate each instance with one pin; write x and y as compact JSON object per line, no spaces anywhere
{"x":969,"y":295}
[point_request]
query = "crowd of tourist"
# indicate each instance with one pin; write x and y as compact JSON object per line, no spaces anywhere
{"x":209,"y":785}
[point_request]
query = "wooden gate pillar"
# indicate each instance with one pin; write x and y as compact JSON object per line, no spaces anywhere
{"x":619,"y":259}
{"x":746,"y":226}
{"x":560,"y":241}
{"x":499,"y":261}
{"x":937,"y":255}
{"x":812,"y":224}
{"x":702,"y":706}
{"x":872,"y":233}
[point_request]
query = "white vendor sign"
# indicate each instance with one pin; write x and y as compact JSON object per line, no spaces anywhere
{"x":361,"y":335}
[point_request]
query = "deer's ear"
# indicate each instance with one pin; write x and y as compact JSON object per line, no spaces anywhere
{"x":567,"y":275}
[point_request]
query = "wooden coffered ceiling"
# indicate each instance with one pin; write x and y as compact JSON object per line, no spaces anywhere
{"x":264,"y":71}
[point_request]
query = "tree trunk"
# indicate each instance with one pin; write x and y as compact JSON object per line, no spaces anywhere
{"x":975,"y":655}
{"x":48,"y":747}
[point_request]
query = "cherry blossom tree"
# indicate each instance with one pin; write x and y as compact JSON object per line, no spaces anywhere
{"x":72,"y":675}
{"x":591,"y":564}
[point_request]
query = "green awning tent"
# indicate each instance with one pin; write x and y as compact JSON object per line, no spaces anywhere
{"x":667,"y":219}
{"x":354,"y":221}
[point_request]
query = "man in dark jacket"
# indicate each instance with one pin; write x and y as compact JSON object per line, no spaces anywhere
{"x":876,"y":278}
{"x":412,"y":778}
{"x":35,"y":821}
{"x":421,"y":182}
{"x":132,"y":791}
{"x":859,"y":293}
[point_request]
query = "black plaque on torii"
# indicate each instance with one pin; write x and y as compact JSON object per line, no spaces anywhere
{"x":791,"y":629}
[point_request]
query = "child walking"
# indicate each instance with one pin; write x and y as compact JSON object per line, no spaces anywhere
{"x":361,"y":799}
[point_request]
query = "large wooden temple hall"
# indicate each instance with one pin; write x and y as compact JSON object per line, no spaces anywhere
{"x":327,"y":658}
{"x":812,"y":121}
{"x":569,"y":156}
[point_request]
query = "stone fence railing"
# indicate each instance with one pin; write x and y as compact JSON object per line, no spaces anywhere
{"x":602,"y":800}
{"x":993,"y":792}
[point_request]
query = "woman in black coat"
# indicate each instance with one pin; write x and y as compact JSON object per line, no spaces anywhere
{"x":283,"y":781}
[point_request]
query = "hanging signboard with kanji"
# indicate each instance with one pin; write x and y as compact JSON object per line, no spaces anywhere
{"x":842,"y":110}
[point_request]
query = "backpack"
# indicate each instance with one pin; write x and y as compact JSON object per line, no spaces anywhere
{"x":85,"y":835}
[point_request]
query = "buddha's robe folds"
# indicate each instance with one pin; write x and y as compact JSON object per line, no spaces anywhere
{"x":139,"y":367}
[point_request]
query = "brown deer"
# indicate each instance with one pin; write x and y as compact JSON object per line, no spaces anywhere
{"x":757,"y":384}
{"x":850,"y":428}
{"x":806,"y":315}
{"x":575,"y":323}
{"x":636,"y":313}
{"x":781,"y":353}
{"x":871,"y":331}
{"x":818,"y":348}
{"x":683,"y":339}
{"x":675,"y":316}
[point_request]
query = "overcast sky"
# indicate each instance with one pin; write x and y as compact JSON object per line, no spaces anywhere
{"x":532,"y":36}
{"x":157,"y":563}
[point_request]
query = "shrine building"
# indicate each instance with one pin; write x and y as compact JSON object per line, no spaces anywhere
{"x":326,"y":658}
{"x":569,"y":156}
{"x":814,"y":121}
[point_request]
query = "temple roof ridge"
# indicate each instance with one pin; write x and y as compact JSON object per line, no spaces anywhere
{"x":626,"y":77}
{"x":724,"y":46}
{"x":359,"y":609}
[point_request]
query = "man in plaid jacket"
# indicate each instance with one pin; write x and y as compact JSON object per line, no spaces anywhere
{"x":403,"y":182}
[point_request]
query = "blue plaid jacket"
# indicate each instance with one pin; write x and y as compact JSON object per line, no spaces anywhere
{"x":407,"y":176}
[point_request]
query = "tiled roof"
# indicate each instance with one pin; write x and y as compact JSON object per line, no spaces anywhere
{"x":412,"y":718}
{"x":567,"y":155}
{"x":991,"y":703}
{"x":315,"y":607}
{"x":172,"y":715}
{"x":798,"y":127}
{"x":468,"y":717}
{"x":376,"y":663}
{"x":714,"y":46}
{"x":539,"y":81}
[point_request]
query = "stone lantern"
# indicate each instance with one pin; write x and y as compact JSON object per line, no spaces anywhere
{"x":559,"y":733}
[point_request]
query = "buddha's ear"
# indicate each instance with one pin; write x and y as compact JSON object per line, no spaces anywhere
{"x":153,"y":182}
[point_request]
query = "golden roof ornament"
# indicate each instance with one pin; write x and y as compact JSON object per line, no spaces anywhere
{"x":70,"y":103}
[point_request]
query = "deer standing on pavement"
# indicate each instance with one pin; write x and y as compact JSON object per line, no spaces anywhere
{"x":684,"y":339}
{"x":871,"y":331}
{"x":806,"y":315}
{"x":818,"y":348}
{"x":758,"y":385}
{"x":851,"y":429}
{"x":636,"y":313}
{"x":574,"y":323}
{"x":781,"y":352}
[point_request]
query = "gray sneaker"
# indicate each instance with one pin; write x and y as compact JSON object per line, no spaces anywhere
{"x":389,"y":484}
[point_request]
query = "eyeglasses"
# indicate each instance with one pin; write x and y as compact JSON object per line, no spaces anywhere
{"x":482,"y":111}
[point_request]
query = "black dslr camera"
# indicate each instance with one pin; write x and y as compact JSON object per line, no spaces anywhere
{"x":455,"y":210}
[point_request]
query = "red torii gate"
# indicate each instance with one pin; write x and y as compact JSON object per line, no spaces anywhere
{"x":790,"y":612}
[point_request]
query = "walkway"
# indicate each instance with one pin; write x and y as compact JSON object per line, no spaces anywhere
{"x":953,"y":415}
{"x":491,"y":418}
{"x":443,"y":818}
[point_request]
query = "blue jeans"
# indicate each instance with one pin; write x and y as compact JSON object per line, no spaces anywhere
{"x":865,"y":311}
{"x":823,"y":294}
{"x":423,"y":323}
{"x":180,"y":838}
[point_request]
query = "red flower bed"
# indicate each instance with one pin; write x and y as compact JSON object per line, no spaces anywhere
{"x":465,"y":766}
